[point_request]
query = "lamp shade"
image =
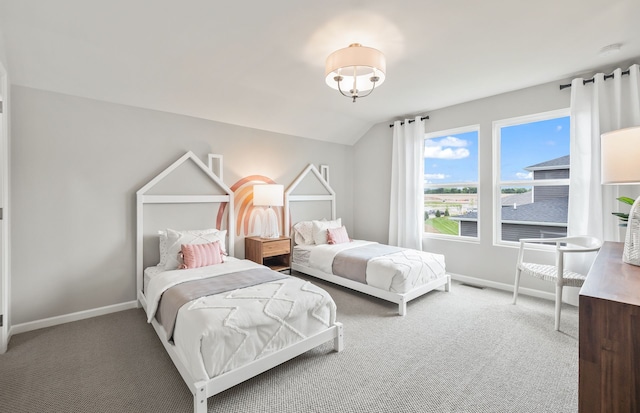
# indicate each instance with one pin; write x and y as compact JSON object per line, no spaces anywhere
{"x":268,"y":195}
{"x":620,"y":151}
{"x":355,"y":65}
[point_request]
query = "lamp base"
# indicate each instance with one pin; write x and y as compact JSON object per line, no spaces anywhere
{"x":631,"y":254}
{"x":270,"y":224}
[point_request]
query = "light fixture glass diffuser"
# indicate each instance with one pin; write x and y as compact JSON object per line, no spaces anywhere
{"x":269,"y":195}
{"x":621,"y":165}
{"x":355,"y":69}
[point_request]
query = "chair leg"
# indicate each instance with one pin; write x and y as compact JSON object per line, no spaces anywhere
{"x":515,"y":285}
{"x":558,"y":305}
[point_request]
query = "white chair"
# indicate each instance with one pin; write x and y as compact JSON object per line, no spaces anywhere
{"x":555,"y":273}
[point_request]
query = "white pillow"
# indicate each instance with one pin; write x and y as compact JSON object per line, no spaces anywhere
{"x":320,"y":229}
{"x":162,"y":234}
{"x":303,"y":233}
{"x":175,"y":239}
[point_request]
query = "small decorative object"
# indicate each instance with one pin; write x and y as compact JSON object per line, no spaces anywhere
{"x":269,"y":195}
{"x":355,"y":69}
{"x":632,"y":241}
{"x":620,"y":149}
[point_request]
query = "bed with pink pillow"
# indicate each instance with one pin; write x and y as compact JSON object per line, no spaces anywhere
{"x":324,"y":249}
{"x":222,"y":320}
{"x":221,"y":312}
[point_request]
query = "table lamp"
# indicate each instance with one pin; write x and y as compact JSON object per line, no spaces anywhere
{"x":269,"y":195}
{"x":620,"y":151}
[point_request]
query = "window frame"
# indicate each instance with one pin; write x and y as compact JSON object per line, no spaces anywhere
{"x":497,"y":126}
{"x":440,"y":134}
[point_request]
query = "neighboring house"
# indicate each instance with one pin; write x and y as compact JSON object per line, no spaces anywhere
{"x":541,"y":212}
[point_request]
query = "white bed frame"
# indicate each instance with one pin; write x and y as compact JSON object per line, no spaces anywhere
{"x":397,"y":298}
{"x":201,"y":390}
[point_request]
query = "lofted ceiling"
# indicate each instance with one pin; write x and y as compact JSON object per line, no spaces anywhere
{"x":260,"y":64}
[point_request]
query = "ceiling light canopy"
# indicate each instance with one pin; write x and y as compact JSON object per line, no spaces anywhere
{"x":610,"y":49}
{"x":355,"y":70}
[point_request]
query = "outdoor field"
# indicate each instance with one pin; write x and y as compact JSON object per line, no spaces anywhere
{"x":440,"y":207}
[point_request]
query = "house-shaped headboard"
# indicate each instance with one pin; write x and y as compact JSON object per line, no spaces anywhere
{"x":318,"y":190}
{"x":185,"y":183}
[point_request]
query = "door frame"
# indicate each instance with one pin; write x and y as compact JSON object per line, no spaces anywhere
{"x":5,"y":279}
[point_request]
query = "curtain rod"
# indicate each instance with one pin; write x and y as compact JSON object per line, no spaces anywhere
{"x":411,"y":121}
{"x":584,"y":82}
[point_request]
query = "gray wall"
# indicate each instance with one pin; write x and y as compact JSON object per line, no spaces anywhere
{"x":372,"y":184}
{"x":372,"y":160}
{"x":76,"y":165}
{"x":3,"y":55}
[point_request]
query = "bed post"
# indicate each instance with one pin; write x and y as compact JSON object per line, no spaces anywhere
{"x":338,"y":341}
{"x":402,"y":307}
{"x":447,"y":286}
{"x":139,"y":244}
{"x":200,"y":398}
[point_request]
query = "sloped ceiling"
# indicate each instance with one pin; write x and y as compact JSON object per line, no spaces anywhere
{"x":260,"y":64}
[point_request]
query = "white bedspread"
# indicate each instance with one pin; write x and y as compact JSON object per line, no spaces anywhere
{"x":321,"y":256}
{"x":221,"y":332}
{"x":167,"y":279}
{"x":398,"y":272}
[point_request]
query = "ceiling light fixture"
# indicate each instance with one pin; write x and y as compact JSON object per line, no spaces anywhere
{"x":355,"y":69}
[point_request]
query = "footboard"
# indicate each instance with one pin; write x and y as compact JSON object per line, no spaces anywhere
{"x":204,"y":389}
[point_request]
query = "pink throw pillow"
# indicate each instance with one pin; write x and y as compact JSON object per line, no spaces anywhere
{"x":201,"y":255}
{"x":337,"y":235}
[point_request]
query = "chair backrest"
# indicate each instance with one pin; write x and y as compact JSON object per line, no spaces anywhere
{"x":581,"y":243}
{"x":578,"y":243}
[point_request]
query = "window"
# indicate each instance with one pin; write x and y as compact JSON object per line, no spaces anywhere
{"x":451,"y":183}
{"x":531,"y":168}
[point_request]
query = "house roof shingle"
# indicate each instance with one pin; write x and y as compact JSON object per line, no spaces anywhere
{"x":558,"y":163}
{"x":551,"y":210}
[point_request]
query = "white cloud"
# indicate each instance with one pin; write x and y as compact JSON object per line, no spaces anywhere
{"x":445,"y":153}
{"x":435,"y":176}
{"x":524,"y":175}
{"x":558,"y":128}
{"x":449,"y":147}
{"x":448,"y":141}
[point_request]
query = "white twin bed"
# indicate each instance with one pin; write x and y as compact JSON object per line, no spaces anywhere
{"x":398,"y":275}
{"x":221,"y":324}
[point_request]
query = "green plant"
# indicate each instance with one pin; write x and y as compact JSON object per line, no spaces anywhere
{"x":625,"y":200}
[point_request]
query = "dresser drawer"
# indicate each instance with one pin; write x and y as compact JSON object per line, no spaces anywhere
{"x":279,"y":247}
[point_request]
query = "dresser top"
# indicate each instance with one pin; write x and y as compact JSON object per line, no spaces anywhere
{"x":612,"y":279}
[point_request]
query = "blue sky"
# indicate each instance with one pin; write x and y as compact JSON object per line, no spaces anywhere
{"x":454,"y":158}
{"x":451,"y":158}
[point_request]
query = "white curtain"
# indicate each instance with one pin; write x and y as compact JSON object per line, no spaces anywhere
{"x":407,"y":200}
{"x":597,"y":108}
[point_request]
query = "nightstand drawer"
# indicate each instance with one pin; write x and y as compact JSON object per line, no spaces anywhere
{"x":280,"y":247}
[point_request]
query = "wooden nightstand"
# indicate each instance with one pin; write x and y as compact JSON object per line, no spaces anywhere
{"x":275,"y":253}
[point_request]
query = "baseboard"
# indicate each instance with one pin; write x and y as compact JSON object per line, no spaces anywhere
{"x":502,"y":286}
{"x":67,"y":318}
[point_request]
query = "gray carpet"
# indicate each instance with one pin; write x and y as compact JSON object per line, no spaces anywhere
{"x":468,"y":351}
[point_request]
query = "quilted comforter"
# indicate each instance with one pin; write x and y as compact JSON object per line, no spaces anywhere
{"x":399,"y":271}
{"x":218,"y":333}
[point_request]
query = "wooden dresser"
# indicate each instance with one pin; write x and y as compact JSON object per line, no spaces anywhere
{"x":609,"y":335}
